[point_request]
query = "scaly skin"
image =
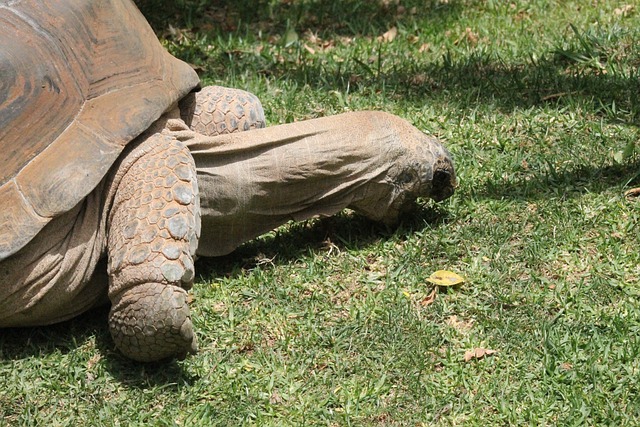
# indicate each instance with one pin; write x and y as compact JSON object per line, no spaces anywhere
{"x":153,"y":232}
{"x":217,"y":110}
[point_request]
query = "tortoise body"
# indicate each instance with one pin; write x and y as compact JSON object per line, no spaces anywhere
{"x":115,"y":173}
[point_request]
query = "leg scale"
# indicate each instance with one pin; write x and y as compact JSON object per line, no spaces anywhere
{"x":153,"y":232}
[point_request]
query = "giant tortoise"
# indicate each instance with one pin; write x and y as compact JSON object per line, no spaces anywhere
{"x":117,"y":171}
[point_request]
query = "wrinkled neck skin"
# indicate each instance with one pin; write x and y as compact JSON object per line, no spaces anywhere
{"x":252,"y":182}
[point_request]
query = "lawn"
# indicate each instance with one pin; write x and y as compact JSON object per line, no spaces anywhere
{"x":333,"y":322}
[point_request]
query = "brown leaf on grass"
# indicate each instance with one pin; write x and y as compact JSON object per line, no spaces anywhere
{"x":459,"y":324}
{"x":312,"y":37}
{"x":275,"y":398}
{"x":420,"y":79}
{"x":389,"y":35}
{"x":429,"y":299}
{"x":468,"y":36}
{"x":478,"y":353}
{"x":198,"y":68}
{"x":634,"y":192}
{"x":93,"y":361}
{"x":623,"y":10}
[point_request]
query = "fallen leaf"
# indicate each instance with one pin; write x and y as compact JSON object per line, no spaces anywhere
{"x":478,"y":353}
{"x":419,"y":79}
{"x":445,"y":278}
{"x":624,"y":10}
{"x":198,"y":68}
{"x":425,"y":47}
{"x":275,"y":398}
{"x":458,"y":324}
{"x":429,"y":299}
{"x":389,"y":35}
{"x":469,"y":36}
{"x":634,"y":192}
{"x":93,"y":361}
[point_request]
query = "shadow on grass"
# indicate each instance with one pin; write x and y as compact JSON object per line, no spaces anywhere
{"x":23,"y":343}
{"x":339,"y":17}
{"x":463,"y":84}
{"x":70,"y":336}
{"x":478,"y":78}
{"x":345,"y":231}
{"x":482,"y":79}
{"x":566,"y":184}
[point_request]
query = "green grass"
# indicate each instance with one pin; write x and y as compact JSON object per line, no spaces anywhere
{"x":325,"y":322}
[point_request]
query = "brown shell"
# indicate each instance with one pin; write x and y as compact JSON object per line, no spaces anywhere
{"x":78,"y":81}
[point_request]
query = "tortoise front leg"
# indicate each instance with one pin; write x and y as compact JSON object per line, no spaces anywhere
{"x":152,"y":236}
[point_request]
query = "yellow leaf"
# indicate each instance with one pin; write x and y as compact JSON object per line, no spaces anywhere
{"x":445,"y":278}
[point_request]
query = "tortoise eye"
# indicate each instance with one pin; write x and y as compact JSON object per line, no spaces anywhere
{"x":406,"y":177}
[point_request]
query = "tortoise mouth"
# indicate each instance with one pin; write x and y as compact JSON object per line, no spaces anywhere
{"x":443,"y":185}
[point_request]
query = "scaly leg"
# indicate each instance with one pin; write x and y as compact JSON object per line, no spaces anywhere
{"x":153,"y":231}
{"x":217,"y":110}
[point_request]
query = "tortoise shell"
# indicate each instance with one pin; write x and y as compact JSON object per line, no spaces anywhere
{"x":78,"y":81}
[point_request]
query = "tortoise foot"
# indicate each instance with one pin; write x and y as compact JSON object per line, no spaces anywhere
{"x":151,"y":322}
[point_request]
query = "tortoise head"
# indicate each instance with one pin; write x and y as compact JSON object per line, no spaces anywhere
{"x":438,"y":174}
{"x":417,"y":166}
{"x":425,"y":168}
